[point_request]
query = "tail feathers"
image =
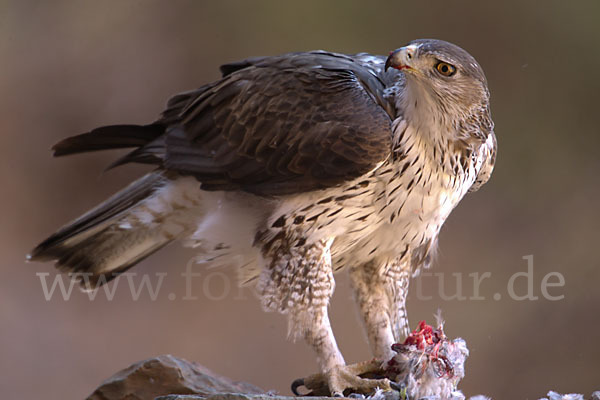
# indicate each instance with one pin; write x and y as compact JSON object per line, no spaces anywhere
{"x":103,"y":256}
{"x":99,"y":218}
{"x":151,"y":153}
{"x":110,"y":238}
{"x":109,"y":137}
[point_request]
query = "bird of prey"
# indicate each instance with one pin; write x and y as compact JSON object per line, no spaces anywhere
{"x":300,"y":165}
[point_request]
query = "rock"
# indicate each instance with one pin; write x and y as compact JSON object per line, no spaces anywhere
{"x":170,"y":378}
{"x":167,"y":375}
{"x":239,"y":396}
{"x":571,"y":396}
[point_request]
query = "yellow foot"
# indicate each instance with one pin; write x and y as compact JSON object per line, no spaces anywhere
{"x":343,"y":380}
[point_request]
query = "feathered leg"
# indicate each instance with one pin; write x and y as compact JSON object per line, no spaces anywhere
{"x":381,"y":292}
{"x":398,"y":287}
{"x":299,"y":282}
{"x":372,"y":297}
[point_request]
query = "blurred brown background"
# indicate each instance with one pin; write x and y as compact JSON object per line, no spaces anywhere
{"x":66,"y":67}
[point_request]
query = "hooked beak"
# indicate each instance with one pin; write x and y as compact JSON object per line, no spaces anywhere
{"x":401,"y":58}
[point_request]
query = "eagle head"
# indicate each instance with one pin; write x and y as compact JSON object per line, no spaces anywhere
{"x":441,"y":75}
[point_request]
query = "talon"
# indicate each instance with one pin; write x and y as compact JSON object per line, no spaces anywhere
{"x":315,"y":384}
{"x":344,"y":378}
{"x":401,"y":388}
{"x":356,"y":396}
{"x":296,"y":384}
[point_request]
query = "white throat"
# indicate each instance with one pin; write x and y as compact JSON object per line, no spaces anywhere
{"x":422,"y":113}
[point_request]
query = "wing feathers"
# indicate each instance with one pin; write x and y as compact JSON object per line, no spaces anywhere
{"x":96,"y":219}
{"x":109,"y":137}
{"x":131,"y":225}
{"x":271,"y":126}
{"x":317,"y":129}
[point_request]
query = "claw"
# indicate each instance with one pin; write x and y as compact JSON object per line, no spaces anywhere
{"x":356,"y":396}
{"x":342,"y":379}
{"x":400,"y":388}
{"x":296,"y":384}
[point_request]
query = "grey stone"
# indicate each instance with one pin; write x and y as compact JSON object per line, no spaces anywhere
{"x":240,"y":396}
{"x":165,"y":375}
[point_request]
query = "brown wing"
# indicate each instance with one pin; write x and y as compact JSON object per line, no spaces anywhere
{"x":280,"y":125}
{"x":271,"y":126}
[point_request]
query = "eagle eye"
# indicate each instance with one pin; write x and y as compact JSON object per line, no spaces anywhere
{"x":445,"y":69}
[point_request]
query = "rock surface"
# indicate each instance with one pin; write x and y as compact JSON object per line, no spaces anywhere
{"x":170,"y":378}
{"x":239,"y":396}
{"x":167,"y":375}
